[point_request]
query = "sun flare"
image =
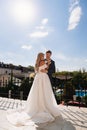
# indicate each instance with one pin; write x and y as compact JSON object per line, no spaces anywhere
{"x":23,"y":11}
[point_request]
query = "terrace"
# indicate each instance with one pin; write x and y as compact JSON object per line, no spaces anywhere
{"x":75,"y":118}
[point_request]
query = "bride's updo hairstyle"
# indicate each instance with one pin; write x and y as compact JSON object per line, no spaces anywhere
{"x":39,"y":58}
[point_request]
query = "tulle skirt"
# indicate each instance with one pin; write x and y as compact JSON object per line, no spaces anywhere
{"x":40,"y":107}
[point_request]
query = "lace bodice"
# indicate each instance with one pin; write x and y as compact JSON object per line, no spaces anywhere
{"x":42,"y":67}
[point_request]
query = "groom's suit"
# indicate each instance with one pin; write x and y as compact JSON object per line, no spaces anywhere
{"x":51,"y":70}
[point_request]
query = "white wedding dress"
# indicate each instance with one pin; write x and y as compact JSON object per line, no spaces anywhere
{"x":40,"y":107}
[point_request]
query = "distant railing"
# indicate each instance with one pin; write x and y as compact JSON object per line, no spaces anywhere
{"x":67,"y":102}
{"x":10,"y":94}
{"x":75,"y":101}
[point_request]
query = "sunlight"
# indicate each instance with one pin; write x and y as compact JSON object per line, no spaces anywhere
{"x":23,"y":11}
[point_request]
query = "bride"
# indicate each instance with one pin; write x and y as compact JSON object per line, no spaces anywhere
{"x":41,"y":106}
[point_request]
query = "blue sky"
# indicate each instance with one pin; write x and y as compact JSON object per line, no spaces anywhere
{"x":28,"y":27}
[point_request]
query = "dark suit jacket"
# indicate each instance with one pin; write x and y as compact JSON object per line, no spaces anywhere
{"x":51,"y":70}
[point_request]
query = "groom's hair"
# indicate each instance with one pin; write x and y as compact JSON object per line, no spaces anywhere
{"x":49,"y":51}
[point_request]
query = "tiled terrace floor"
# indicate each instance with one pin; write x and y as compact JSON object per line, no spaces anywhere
{"x":76,"y":117}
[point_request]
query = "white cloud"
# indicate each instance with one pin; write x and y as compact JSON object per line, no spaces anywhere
{"x":75,"y":14}
{"x":42,"y":30}
{"x":44,"y":21}
{"x":27,"y":47}
{"x":40,"y":27}
{"x":73,"y":4}
{"x":74,"y":18}
{"x":39,"y":34}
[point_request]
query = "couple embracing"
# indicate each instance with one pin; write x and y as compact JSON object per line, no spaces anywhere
{"x":49,"y":62}
{"x":41,"y":106}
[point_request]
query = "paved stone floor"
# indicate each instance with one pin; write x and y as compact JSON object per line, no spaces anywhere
{"x":75,"y":116}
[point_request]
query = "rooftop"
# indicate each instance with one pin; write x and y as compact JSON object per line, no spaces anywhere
{"x":75,"y":117}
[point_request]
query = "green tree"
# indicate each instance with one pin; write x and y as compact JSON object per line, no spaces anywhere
{"x":31,"y":67}
{"x":25,"y":86}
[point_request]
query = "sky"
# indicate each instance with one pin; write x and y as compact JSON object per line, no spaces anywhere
{"x":28,"y":27}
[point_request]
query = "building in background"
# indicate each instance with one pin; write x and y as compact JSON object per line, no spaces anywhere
{"x":17,"y":73}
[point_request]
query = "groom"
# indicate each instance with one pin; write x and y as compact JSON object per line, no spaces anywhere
{"x":51,"y":65}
